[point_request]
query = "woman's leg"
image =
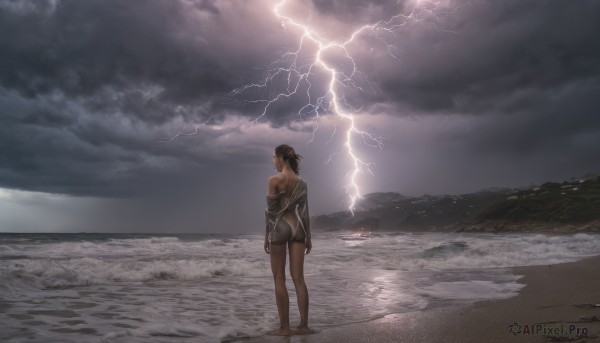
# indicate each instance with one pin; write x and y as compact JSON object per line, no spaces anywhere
{"x":297,"y":271}
{"x":281,"y":294}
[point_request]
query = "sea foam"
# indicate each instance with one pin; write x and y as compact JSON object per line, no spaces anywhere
{"x":190,"y":288}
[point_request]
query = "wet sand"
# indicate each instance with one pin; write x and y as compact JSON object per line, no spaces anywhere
{"x":556,"y":297}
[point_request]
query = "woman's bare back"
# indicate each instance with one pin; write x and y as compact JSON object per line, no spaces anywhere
{"x":287,"y":183}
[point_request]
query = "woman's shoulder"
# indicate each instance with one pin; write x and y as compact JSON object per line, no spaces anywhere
{"x":274,"y":179}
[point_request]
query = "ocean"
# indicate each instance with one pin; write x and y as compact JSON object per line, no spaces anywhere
{"x":211,"y":288}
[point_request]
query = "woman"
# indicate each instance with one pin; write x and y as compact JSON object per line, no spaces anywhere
{"x":287,"y":223}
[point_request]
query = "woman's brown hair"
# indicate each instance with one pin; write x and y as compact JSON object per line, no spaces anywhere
{"x":289,"y":154}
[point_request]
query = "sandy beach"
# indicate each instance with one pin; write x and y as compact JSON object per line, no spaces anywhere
{"x":558,"y":301}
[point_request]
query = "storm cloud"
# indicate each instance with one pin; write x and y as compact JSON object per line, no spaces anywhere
{"x":135,"y":99}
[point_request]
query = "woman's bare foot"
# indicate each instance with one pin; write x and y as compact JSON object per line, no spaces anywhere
{"x":281,"y":332}
{"x":302,"y":330}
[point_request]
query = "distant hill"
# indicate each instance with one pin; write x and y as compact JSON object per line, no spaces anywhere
{"x":565,"y":206}
{"x":562,"y":207}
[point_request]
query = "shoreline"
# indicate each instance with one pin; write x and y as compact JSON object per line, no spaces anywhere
{"x":555,"y":297}
{"x":499,"y":229}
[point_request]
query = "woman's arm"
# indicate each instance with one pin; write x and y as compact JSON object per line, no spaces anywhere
{"x":272,"y":185}
{"x":267,"y":250}
{"x":271,"y":190}
{"x":308,"y":241}
{"x":306,"y":222}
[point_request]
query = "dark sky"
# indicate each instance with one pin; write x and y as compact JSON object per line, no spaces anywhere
{"x":464,"y":95}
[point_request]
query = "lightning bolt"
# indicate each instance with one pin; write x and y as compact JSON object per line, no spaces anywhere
{"x":297,"y":77}
{"x":179,"y":134}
